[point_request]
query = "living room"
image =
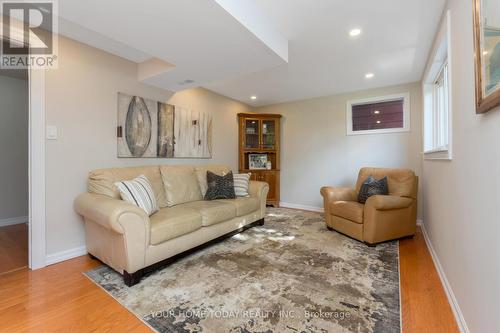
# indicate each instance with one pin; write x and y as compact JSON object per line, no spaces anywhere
{"x":251,"y":166}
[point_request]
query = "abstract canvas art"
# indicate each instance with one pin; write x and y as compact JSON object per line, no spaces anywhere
{"x":148,"y":128}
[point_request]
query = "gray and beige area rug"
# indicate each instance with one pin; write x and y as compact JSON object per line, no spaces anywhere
{"x":291,"y":275}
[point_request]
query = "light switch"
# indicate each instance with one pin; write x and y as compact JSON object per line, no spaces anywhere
{"x":51,"y":132}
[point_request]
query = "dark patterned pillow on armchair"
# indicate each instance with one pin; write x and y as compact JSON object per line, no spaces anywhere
{"x":220,"y":187}
{"x":372,"y":186}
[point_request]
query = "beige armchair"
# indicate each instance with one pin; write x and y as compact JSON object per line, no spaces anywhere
{"x":382,"y":217}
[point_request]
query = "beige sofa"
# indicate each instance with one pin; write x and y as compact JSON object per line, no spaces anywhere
{"x":382,"y":217}
{"x":121,"y":234}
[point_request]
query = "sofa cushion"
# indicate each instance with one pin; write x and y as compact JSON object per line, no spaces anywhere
{"x":350,"y":210}
{"x":243,"y":205}
{"x":139,"y":192}
{"x":241,"y":183}
{"x":201,"y":174}
{"x":212,"y":212}
{"x":102,"y":181}
{"x":220,"y":187}
{"x":180,"y":183}
{"x":173,"y":222}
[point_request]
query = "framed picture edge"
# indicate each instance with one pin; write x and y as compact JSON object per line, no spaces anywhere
{"x":250,"y":162}
{"x":483,"y":104}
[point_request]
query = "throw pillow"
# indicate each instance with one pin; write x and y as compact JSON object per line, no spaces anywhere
{"x":220,"y":187}
{"x":138,"y":192}
{"x":241,"y":182}
{"x":372,"y":186}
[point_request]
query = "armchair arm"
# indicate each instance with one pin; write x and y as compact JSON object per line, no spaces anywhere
{"x":388,"y":202}
{"x":107,"y":211}
{"x":259,"y":190}
{"x":331,"y":194}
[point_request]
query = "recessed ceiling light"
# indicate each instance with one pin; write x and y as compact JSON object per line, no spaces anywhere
{"x":369,"y":75}
{"x":376,"y":111}
{"x":485,"y":52}
{"x":378,"y":121}
{"x":355,"y":32}
{"x":253,"y":97}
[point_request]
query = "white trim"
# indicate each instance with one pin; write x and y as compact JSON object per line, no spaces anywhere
{"x":13,"y":221}
{"x":462,"y":325}
{"x":65,"y":255}
{"x":37,"y":169}
{"x":440,"y":54}
{"x":380,"y":99}
{"x":36,"y":82}
{"x":302,"y":207}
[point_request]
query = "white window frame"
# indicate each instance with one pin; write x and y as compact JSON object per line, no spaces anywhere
{"x":437,"y":126}
{"x":380,"y":99}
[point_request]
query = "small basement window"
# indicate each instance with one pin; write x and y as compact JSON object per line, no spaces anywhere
{"x":386,"y":114}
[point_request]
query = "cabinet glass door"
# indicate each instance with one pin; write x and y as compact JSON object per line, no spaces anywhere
{"x":269,"y":134}
{"x":252,"y":134}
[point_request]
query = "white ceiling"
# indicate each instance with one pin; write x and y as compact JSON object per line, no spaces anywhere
{"x":238,"y":48}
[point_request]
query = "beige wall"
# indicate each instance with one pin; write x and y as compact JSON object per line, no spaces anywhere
{"x":316,"y":150}
{"x":81,"y":100}
{"x":13,"y":147}
{"x":462,"y":197}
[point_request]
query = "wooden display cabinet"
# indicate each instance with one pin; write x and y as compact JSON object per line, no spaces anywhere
{"x":260,"y":134}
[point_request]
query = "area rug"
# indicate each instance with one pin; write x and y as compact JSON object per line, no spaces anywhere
{"x":291,"y":275}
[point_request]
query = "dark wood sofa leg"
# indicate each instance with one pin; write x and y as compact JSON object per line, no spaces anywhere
{"x":371,"y":244}
{"x":132,"y":279}
{"x":260,"y":222}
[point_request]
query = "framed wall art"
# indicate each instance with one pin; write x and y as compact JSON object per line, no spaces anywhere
{"x":487,"y":53}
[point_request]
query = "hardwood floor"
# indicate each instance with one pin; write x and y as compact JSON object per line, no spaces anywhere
{"x":59,"y":298}
{"x":425,"y":307}
{"x":13,"y":247}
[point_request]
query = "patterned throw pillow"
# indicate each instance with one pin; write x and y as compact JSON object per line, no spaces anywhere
{"x":139,"y":192}
{"x":372,"y":186}
{"x":241,"y":182}
{"x":220,"y":187}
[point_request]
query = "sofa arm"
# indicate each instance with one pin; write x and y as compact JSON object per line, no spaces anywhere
{"x":387,"y":202}
{"x":107,"y":211}
{"x":259,"y":190}
{"x":332,"y":194}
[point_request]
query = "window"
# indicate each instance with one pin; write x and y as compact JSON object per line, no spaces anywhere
{"x":386,"y":114}
{"x":436,"y":89}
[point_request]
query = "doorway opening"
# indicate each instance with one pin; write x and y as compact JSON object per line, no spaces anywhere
{"x":14,"y":169}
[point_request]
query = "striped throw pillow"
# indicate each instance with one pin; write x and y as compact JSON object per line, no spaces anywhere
{"x":241,"y":181}
{"x":138,"y":192}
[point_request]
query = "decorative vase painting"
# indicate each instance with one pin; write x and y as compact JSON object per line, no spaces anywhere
{"x":148,"y":128}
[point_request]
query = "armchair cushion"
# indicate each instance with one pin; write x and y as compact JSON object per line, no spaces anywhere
{"x":350,"y":210}
{"x":372,"y":186}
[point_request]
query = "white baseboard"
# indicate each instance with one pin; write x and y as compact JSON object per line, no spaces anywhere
{"x":54,"y":258}
{"x":303,"y":207}
{"x":420,"y":223}
{"x":462,"y":325}
{"x":14,"y":220}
